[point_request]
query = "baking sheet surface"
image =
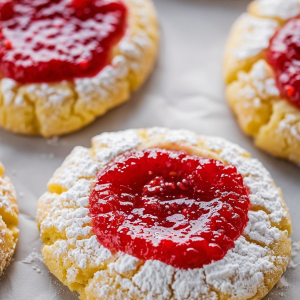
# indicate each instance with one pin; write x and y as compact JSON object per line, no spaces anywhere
{"x":184,"y":91}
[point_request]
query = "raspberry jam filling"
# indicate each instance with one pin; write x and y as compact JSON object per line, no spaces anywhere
{"x":55,"y":40}
{"x":183,"y":210}
{"x":284,"y":57}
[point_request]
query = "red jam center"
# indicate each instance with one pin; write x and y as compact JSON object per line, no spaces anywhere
{"x":185,"y":211}
{"x":55,"y":40}
{"x":284,"y":57}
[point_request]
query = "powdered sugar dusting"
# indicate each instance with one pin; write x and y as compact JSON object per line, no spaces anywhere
{"x":284,"y":9}
{"x":282,"y":283}
{"x":265,"y":86}
{"x":7,"y":196}
{"x":131,"y":48}
{"x":82,"y":253}
{"x":258,"y":85}
{"x":265,"y":194}
{"x":109,"y":145}
{"x":239,"y":274}
{"x":182,"y":135}
{"x":124,"y":264}
{"x":71,"y":274}
{"x":51,"y":94}
{"x":218,"y":144}
{"x":99,"y":86}
{"x":34,"y":256}
{"x":259,"y":228}
{"x":256,"y":36}
{"x":191,"y":284}
{"x":104,"y":286}
{"x":290,"y":124}
{"x":79,"y":101}
{"x":155,"y":279}
{"x":294,"y":254}
{"x":256,"y":177}
{"x":175,"y":135}
{"x":69,"y":214}
{"x":79,"y":164}
{"x":8,"y":87}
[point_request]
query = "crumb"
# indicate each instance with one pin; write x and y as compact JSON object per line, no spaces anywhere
{"x":282,"y":283}
{"x":53,"y":141}
{"x":33,"y":257}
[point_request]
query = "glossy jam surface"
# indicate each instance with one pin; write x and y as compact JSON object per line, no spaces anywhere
{"x":183,"y":210}
{"x":55,"y":40}
{"x":284,"y":57}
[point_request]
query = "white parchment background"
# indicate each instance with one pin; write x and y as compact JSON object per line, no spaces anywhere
{"x":184,"y":91}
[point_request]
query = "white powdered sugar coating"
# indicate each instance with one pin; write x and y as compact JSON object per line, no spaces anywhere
{"x":263,"y":192}
{"x":182,"y":135}
{"x":124,"y":264}
{"x":191,"y":284}
{"x":283,"y":9}
{"x":264,"y":85}
{"x":175,"y":135}
{"x":7,"y":194}
{"x":34,"y":256}
{"x":8,"y":90}
{"x":99,"y":87}
{"x":130,"y":48}
{"x":105,"y":81}
{"x":111,"y":288}
{"x":294,"y":254}
{"x":71,"y":274}
{"x":259,"y":228}
{"x":79,"y":164}
{"x":69,"y":214}
{"x":282,"y":283}
{"x":114,"y":144}
{"x":70,"y":210}
{"x":256,"y":36}
{"x":290,"y":124}
{"x":52,"y":95}
{"x":84,"y":253}
{"x":155,"y":279}
{"x":239,"y":274}
{"x":260,"y":84}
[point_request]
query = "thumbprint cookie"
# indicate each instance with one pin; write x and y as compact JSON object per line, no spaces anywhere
{"x":8,"y":220}
{"x":164,"y":214}
{"x":63,"y":63}
{"x":262,"y":74}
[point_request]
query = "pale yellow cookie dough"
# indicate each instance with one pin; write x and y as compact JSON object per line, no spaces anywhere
{"x":73,"y":254}
{"x":8,"y":220}
{"x":251,"y":90}
{"x":60,"y":108}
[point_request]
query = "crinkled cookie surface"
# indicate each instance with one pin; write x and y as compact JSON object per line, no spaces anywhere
{"x":73,"y":254}
{"x":51,"y":109}
{"x":250,"y":81}
{"x":8,"y":220}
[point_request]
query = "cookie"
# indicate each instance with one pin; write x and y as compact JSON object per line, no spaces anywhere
{"x":8,"y":220}
{"x":70,"y":68}
{"x":261,"y":79}
{"x":164,"y":214}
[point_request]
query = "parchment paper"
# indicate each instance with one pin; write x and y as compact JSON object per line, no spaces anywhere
{"x":184,"y":91}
